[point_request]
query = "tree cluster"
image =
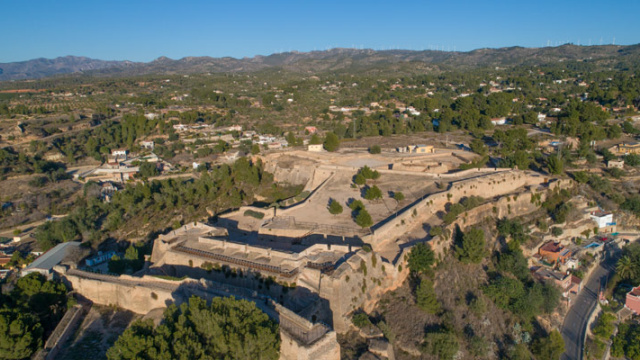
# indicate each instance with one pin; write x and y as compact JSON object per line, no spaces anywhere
{"x":225,"y":329}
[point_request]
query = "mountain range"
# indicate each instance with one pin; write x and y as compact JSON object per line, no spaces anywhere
{"x":316,"y":61}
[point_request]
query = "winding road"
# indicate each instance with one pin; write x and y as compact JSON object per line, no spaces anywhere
{"x":575,"y":323}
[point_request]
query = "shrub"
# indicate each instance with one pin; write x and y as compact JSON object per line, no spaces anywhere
{"x":255,"y":214}
{"x":443,"y":345}
{"x":373,"y":193}
{"x":375,"y":149}
{"x":356,"y":205}
{"x":363,"y":219}
{"x":360,"y":320}
{"x":556,"y":231}
{"x":334,"y":207}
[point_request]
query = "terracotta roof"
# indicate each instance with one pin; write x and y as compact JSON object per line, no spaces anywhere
{"x":552,"y":247}
{"x":635,"y":291}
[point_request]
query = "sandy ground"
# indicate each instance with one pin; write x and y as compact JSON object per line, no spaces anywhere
{"x":339,"y":188}
{"x":99,"y":330}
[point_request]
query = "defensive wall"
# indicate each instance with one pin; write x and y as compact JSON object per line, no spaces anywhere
{"x":61,"y":333}
{"x":139,"y":295}
{"x":486,"y":184}
{"x":301,"y":339}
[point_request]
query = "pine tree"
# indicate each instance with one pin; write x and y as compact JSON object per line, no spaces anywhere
{"x":426,"y":297}
{"x":334,"y":207}
{"x":363,"y":219}
{"x":471,"y":250}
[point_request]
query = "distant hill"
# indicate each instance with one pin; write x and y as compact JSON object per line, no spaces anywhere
{"x":316,"y":61}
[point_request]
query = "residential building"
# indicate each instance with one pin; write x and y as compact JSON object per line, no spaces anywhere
{"x":234,"y":128}
{"x":423,"y":149}
{"x":248,"y":134}
{"x":569,"y":284}
{"x":632,"y":302}
{"x":604,"y":220}
{"x":311,"y":129}
{"x":615,"y":164}
{"x":541,"y":117}
{"x":499,"y":121}
{"x":4,"y":260}
{"x":180,"y":127}
{"x":147,"y":145}
{"x":120,"y":153}
{"x":554,"y":252}
{"x":626,"y":148}
{"x":315,"y":147}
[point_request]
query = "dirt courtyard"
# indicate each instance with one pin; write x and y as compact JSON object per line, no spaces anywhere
{"x":339,"y":188}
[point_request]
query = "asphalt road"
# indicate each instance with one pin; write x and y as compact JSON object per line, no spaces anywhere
{"x":575,"y":323}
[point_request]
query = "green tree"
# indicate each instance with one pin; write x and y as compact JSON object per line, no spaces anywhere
{"x":331,"y":142}
{"x":375,"y":149}
{"x":20,"y":334}
{"x":315,"y":140}
{"x":632,"y":160}
{"x":426,"y":297}
{"x":373,"y":193}
{"x":148,"y":169}
{"x":478,"y":147}
{"x":471,"y":249}
{"x":363,"y":219}
{"x":421,"y":258}
{"x":255,"y":149}
{"x":359,"y":179}
{"x":549,"y":348}
{"x":356,"y":205}
{"x":625,"y":268}
{"x":398,"y":196}
{"x":443,"y":345}
{"x":225,"y":329}
{"x":360,"y":319}
{"x":334,"y":207}
{"x":555,"y":164}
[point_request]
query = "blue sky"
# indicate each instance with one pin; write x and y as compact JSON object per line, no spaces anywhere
{"x":142,"y":30}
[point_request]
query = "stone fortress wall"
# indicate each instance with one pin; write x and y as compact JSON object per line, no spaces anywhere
{"x":300,"y":338}
{"x":486,"y":184}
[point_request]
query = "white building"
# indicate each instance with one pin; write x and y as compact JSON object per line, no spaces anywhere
{"x":542,"y":117}
{"x":147,"y":145}
{"x":603,"y":219}
{"x":119,"y":152}
{"x":499,"y":121}
{"x":315,"y":147}
{"x":615,"y":164}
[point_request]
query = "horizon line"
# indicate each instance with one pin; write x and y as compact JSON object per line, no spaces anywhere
{"x":327,"y":50}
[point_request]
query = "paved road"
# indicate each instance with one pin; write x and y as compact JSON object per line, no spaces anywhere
{"x":575,"y":323}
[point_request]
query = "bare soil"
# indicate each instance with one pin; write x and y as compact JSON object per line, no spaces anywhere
{"x":100,"y":329}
